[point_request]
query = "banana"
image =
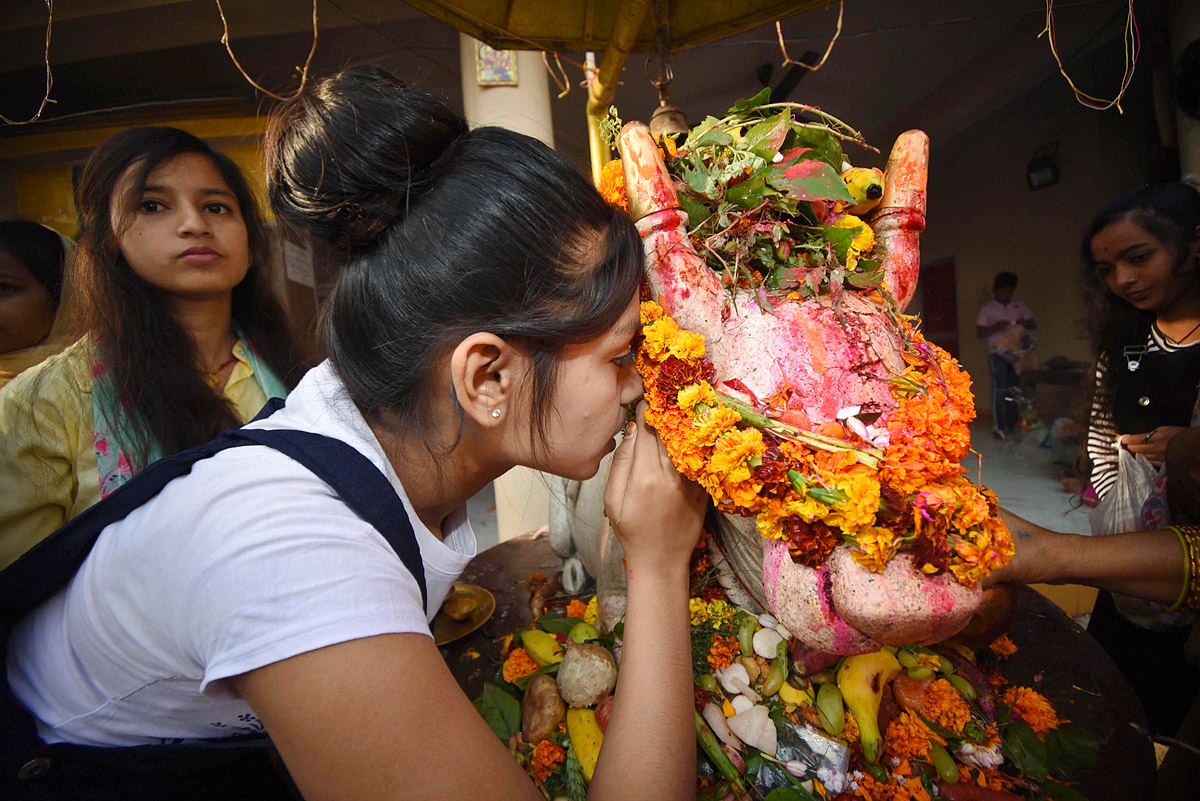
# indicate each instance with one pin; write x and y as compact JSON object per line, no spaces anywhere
{"x":861,"y":680}
{"x":586,"y":738}
{"x":865,"y":185}
{"x":544,"y":649}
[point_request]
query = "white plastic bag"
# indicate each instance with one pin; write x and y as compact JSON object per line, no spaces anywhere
{"x":1121,"y":509}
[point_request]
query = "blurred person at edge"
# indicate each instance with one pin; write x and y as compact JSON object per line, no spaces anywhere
{"x":34,"y":321}
{"x":998,"y":320}
{"x":179,"y":322}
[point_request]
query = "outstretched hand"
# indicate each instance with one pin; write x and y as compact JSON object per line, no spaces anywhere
{"x":655,"y":511}
{"x":1152,"y":444}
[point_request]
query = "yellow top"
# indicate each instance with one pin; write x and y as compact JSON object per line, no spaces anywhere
{"x":48,"y":471}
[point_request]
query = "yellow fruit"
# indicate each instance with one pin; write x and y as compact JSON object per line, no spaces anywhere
{"x":544,"y":649}
{"x":861,"y":680}
{"x":790,"y":695}
{"x":865,"y":185}
{"x":586,"y":738}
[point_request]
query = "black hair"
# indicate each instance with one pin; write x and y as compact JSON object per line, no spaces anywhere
{"x":1171,"y":212}
{"x":446,"y":231}
{"x":147,"y":353}
{"x":1004,"y":280}
{"x":39,"y":249}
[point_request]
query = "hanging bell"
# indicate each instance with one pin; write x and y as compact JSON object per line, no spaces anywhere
{"x":668,"y":118}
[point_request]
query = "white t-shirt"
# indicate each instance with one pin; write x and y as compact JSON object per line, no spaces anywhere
{"x":994,"y":312}
{"x":247,"y":561}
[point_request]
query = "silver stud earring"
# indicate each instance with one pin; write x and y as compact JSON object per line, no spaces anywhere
{"x":495,"y":412}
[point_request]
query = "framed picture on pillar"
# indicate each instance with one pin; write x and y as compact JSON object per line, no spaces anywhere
{"x":495,"y":67}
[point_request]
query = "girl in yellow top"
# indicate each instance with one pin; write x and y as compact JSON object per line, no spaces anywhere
{"x":184,"y":337}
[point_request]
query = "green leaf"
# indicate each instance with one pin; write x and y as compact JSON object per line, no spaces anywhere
{"x":760,"y":99}
{"x":840,"y":239}
{"x":500,"y":711}
{"x":708,"y":133}
{"x":697,"y":212}
{"x":765,"y":139}
{"x":557,"y":624}
{"x":1060,"y":792}
{"x":803,"y":175}
{"x":523,"y":682}
{"x":786,"y":794}
{"x":747,"y":194}
{"x":827,"y":148}
{"x":1023,"y":749}
{"x":1070,"y":748}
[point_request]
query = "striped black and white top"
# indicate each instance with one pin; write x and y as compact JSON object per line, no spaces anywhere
{"x":1102,"y":431}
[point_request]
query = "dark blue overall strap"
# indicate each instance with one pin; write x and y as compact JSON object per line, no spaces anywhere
{"x":49,"y":565}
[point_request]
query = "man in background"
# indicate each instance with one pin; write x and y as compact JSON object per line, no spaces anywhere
{"x":1004,"y":322}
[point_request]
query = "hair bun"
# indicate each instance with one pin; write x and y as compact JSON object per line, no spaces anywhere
{"x":346,"y":159}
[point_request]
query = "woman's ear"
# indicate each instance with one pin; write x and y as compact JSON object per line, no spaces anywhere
{"x":483,"y":372}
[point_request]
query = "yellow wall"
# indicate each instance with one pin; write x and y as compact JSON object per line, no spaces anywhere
{"x":44,"y":192}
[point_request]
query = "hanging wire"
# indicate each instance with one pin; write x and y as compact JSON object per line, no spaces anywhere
{"x":663,"y":40}
{"x":303,"y":70}
{"x":560,"y":78}
{"x":49,"y":75}
{"x":787,"y":60}
{"x":1132,"y":47}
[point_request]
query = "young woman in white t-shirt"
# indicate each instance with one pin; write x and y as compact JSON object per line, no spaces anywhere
{"x":483,"y":320}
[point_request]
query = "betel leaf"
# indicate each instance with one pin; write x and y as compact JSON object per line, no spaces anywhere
{"x":804,"y":176}
{"x":745,"y":104}
{"x":500,"y":711}
{"x":1024,"y":750}
{"x":708,"y":133}
{"x":766,"y":138}
{"x":827,"y":148}
{"x":697,"y":212}
{"x":1070,"y":748}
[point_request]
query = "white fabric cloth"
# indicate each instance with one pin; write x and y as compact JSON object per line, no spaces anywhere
{"x":994,"y":312}
{"x":247,"y":561}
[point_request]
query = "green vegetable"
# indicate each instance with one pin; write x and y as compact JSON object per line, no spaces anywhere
{"x":707,"y":681}
{"x":943,"y":763}
{"x":830,"y":708}
{"x":906,"y":658}
{"x":775,"y":678}
{"x":920,"y":672}
{"x":745,"y":635}
{"x":962,"y":685}
{"x":712,"y":749}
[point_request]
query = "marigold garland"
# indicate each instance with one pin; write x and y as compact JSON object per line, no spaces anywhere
{"x":612,"y":185}
{"x":818,"y":489}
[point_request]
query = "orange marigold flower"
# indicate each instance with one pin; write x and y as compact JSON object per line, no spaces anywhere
{"x":1033,"y":708}
{"x":612,"y":185}
{"x":1002,"y":646}
{"x":534,"y":581}
{"x":946,"y":707}
{"x":851,"y":733}
{"x":576,"y":608}
{"x":720,"y":653}
{"x":907,"y":737}
{"x":518,"y":664}
{"x":546,"y":757}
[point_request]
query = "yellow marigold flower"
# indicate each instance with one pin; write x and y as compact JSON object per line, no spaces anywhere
{"x":863,"y":241}
{"x":591,"y":613}
{"x":698,"y":611}
{"x":658,"y":335}
{"x":518,"y":664}
{"x":731,"y":455}
{"x":876,"y":547}
{"x":545,"y":758}
{"x":1033,"y":708}
{"x":720,"y":419}
{"x":576,"y":608}
{"x":687,"y":345}
{"x":695,"y":394}
{"x":651,"y":311}
{"x":720,"y":610}
{"x":612,"y":185}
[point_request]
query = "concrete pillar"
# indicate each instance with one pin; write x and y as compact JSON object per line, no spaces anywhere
{"x":1183,"y":19}
{"x":522,"y":495}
